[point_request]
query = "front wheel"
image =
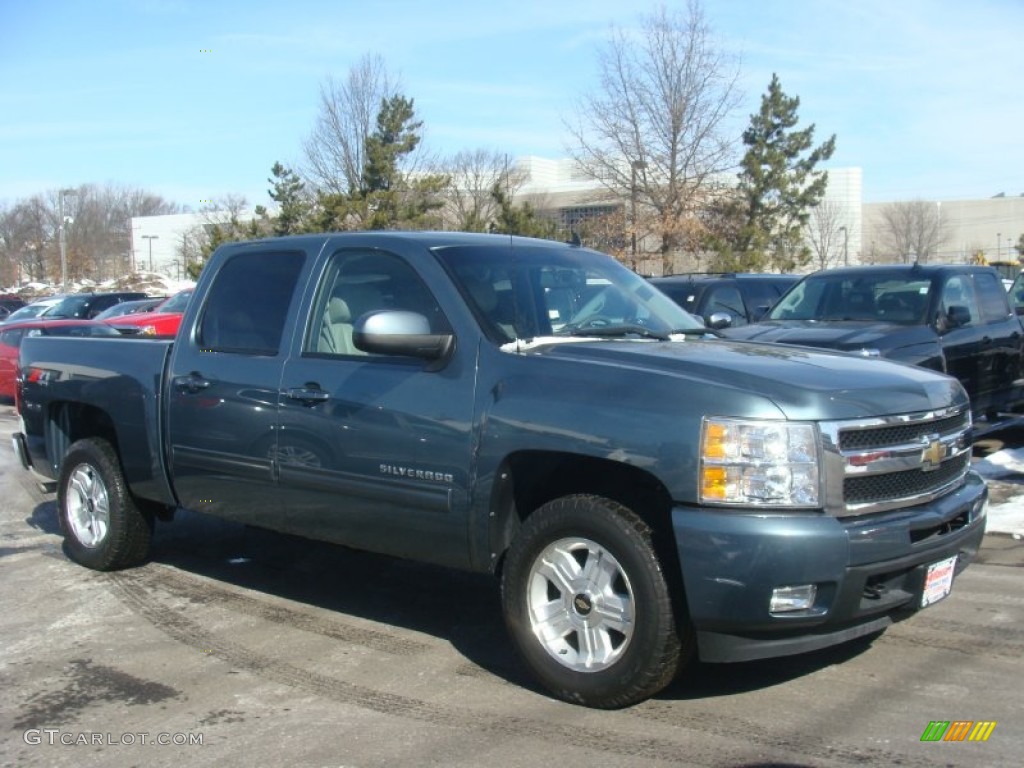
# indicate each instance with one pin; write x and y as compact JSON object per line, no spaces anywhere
{"x":104,"y":529}
{"x":587,"y":603}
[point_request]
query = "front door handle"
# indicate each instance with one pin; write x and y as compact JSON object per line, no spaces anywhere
{"x":192,"y":383}
{"x":308,"y":395}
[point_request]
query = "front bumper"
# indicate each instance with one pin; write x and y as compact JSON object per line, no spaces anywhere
{"x":869,"y":571}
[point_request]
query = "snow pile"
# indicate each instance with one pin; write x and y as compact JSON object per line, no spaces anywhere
{"x":1000,"y":464}
{"x":1007,"y":517}
{"x":150,"y":283}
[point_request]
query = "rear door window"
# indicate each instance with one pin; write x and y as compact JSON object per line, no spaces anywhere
{"x":247,"y":305}
{"x":991,"y":298}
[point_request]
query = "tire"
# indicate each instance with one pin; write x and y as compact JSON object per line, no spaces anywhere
{"x":104,"y":529}
{"x":587,"y":604}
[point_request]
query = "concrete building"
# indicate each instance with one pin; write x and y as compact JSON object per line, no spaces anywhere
{"x":160,"y":242}
{"x":559,"y":189}
{"x":991,"y":226}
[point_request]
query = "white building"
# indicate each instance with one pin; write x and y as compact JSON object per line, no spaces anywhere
{"x":159,"y":242}
{"x":991,"y":226}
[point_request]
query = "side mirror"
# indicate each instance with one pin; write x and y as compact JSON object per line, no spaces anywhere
{"x":718,"y":320}
{"x":397,"y":332}
{"x":958,"y":315}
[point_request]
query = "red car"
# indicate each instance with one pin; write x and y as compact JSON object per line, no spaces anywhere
{"x":12,"y":334}
{"x":163,"y":320}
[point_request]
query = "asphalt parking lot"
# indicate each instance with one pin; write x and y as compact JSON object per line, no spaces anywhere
{"x":272,"y":650}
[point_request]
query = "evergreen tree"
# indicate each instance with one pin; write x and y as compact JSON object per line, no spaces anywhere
{"x":778,"y":186}
{"x":523,"y":220}
{"x":391,"y":202}
{"x":389,"y":196}
{"x":288,"y":192}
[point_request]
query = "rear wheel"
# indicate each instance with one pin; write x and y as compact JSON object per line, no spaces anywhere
{"x":104,"y":528}
{"x":587,"y":603}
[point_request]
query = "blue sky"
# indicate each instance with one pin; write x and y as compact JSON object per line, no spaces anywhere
{"x":924,"y":95}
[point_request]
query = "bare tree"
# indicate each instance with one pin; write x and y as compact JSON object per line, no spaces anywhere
{"x":470,"y":203}
{"x":28,"y":238}
{"x":912,"y":231}
{"x":336,"y":149}
{"x":97,"y":231}
{"x":826,"y":235}
{"x":654,"y":133}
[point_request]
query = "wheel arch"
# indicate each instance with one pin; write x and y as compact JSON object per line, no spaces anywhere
{"x":68,"y":421}
{"x":526,"y":480}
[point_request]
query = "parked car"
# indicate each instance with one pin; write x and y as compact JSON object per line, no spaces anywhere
{"x":953,"y":318}
{"x":32,"y":310}
{"x":162,"y":321}
{"x":12,"y":334}
{"x":725,"y":300}
{"x":88,"y":305}
{"x":1016,"y":294}
{"x":9,"y":304}
{"x":131,"y":308}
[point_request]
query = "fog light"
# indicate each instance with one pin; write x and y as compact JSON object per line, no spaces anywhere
{"x":785,"y":599}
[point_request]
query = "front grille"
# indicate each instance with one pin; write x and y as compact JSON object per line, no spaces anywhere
{"x":900,"y":434}
{"x":873,"y":465}
{"x":867,"y":489}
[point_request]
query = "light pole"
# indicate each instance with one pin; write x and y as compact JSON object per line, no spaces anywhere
{"x":846,"y":244}
{"x":151,"y":238}
{"x":63,"y":238}
{"x":636,"y":165}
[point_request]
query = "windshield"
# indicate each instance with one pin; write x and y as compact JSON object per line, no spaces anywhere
{"x":28,"y":312}
{"x":72,"y":306}
{"x":75,"y":330}
{"x":882,"y":297}
{"x":524,"y":292}
{"x":176,"y":303}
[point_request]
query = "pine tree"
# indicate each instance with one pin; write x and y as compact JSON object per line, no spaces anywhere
{"x":778,"y":185}
{"x":288,"y":192}
{"x":522,"y":220}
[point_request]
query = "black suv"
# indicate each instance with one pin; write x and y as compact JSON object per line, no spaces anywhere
{"x":88,"y":305}
{"x":953,"y":318}
{"x":725,"y":299}
{"x":8,"y":304}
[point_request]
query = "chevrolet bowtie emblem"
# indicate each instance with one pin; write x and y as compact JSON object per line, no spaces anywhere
{"x":932,"y":456}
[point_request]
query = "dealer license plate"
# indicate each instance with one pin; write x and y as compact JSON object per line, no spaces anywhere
{"x":938,"y":581}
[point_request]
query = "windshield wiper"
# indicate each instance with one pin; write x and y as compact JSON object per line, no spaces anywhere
{"x":612,"y":331}
{"x":694,"y":332}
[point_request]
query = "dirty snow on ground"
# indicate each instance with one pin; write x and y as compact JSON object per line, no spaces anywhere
{"x":1006,"y":464}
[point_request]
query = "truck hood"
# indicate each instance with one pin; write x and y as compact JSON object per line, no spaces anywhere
{"x":845,"y":335}
{"x":804,"y":384}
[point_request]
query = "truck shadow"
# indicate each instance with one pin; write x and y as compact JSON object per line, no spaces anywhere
{"x":461,"y":608}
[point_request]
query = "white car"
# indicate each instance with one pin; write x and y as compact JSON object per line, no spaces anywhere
{"x":35,"y":309}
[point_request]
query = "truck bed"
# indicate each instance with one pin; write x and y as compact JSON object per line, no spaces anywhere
{"x":99,"y":375}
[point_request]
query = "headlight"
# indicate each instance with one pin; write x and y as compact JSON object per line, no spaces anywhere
{"x":759,"y":463}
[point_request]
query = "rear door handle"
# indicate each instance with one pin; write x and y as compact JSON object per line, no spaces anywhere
{"x":309,"y":395}
{"x":192,"y":383}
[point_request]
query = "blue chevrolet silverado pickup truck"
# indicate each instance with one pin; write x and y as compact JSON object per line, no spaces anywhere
{"x":645,"y":491}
